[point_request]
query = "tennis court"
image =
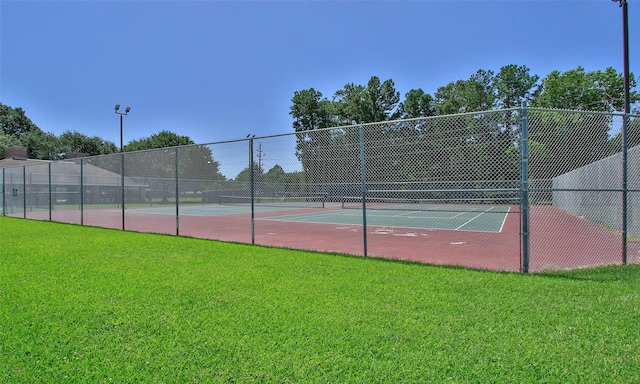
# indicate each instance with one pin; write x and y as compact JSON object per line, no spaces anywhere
{"x":479,"y":218}
{"x":449,"y":190}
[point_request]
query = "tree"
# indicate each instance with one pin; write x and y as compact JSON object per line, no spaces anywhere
{"x":162,"y":139}
{"x":475,"y":94}
{"x":449,"y":99}
{"x":70,"y":142}
{"x":416,"y":103}
{"x":5,"y":141}
{"x":514,"y":85}
{"x":573,"y":140}
{"x":275,"y":175}
{"x":245,"y":174}
{"x":14,"y":122}
{"x":41,"y":145}
{"x":18,"y":129}
{"x":358,"y":104}
{"x":311,"y":113}
{"x":155,"y":159}
{"x":585,"y":91}
{"x":633,"y":137}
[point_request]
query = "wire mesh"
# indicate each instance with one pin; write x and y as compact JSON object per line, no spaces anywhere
{"x":37,"y":195}
{"x":65,"y":191}
{"x":102,"y":191}
{"x":578,"y":219}
{"x":206,"y":174}
{"x":441,"y":190}
{"x":14,"y":187}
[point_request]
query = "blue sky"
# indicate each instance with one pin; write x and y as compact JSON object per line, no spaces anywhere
{"x":216,"y":71}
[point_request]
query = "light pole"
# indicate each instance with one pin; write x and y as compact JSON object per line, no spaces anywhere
{"x":625,"y":125}
{"x":125,"y":113}
{"x":625,"y":47}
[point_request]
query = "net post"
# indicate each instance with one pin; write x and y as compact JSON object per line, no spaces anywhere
{"x":363,"y":181}
{"x":524,"y":189}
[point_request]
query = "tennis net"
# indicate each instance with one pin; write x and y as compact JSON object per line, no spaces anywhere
{"x":308,"y":201}
{"x":460,"y":201}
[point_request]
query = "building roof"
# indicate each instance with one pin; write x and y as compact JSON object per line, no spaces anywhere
{"x":20,"y":161}
{"x":63,"y":172}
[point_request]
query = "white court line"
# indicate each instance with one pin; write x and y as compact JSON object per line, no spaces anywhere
{"x":475,"y":217}
{"x":505,"y":219}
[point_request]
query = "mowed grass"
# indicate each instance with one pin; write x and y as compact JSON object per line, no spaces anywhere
{"x":82,"y":304}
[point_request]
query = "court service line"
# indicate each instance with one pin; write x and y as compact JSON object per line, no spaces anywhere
{"x":475,"y":217}
{"x":505,"y":218}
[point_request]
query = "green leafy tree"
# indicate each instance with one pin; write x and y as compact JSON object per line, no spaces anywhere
{"x":18,"y":129}
{"x":416,"y":103}
{"x":245,"y":174}
{"x":161,"y":139}
{"x":587,"y":91}
{"x":358,"y":104}
{"x":14,"y":122}
{"x":41,"y":145}
{"x":311,"y":112}
{"x":633,"y":136}
{"x":70,"y":142}
{"x":573,"y":140}
{"x":5,"y":141}
{"x":275,"y":175}
{"x":449,"y":99}
{"x":514,"y":85}
{"x":155,"y":159}
{"x":475,"y":94}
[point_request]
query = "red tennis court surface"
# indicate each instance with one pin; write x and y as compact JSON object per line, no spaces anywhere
{"x":558,"y":240}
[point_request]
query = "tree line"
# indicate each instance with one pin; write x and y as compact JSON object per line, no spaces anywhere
{"x":479,"y":147}
{"x":379,"y":101}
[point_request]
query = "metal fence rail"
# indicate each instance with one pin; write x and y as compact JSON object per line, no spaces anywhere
{"x":519,"y":189}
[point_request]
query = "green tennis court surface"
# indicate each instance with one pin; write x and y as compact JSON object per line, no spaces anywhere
{"x":480,"y":218}
{"x":483,"y":219}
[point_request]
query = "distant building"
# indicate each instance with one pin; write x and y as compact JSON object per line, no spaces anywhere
{"x":63,"y":181}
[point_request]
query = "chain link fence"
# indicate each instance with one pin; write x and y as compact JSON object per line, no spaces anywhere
{"x":520,"y":189}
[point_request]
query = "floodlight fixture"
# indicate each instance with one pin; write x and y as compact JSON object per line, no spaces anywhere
{"x":126,"y":112}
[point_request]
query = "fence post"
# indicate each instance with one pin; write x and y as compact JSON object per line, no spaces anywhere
{"x":177,"y":196}
{"x":253,"y":237}
{"x":363,"y":181}
{"x":4,"y":196}
{"x":625,"y":175}
{"x":50,"y":194}
{"x":24,"y":191}
{"x":81,"y":192}
{"x":122,"y":185}
{"x":524,"y":189}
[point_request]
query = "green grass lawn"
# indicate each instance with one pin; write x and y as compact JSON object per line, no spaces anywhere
{"x":82,"y":304}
